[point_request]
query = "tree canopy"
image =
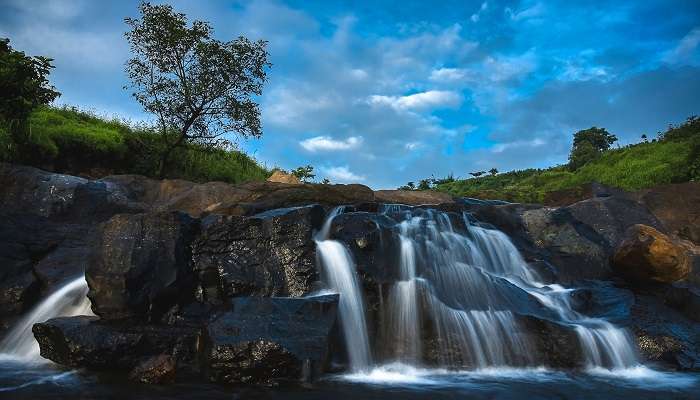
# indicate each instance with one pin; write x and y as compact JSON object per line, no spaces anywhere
{"x":588,"y":145}
{"x":198,"y":87}
{"x":24,"y":83}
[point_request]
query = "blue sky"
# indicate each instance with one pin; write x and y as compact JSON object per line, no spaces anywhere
{"x":386,"y":92}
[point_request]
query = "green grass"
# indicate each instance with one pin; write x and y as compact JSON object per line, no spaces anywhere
{"x":72,"y":141}
{"x":672,"y":159}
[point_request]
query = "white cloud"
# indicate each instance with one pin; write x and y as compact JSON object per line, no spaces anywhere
{"x":341,"y":174}
{"x":448,"y":74}
{"x":432,"y":99}
{"x":684,"y":51}
{"x":327,"y":143}
{"x":503,"y":68}
{"x":477,"y":15}
{"x":501,"y":147}
{"x":413,"y":146}
{"x":527,"y":13}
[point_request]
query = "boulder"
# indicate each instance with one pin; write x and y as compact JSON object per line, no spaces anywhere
{"x":283,"y":177}
{"x":87,"y":342}
{"x":31,"y":190}
{"x":269,"y":254}
{"x":647,"y":255}
{"x":142,"y":267}
{"x":412,"y":197}
{"x":676,"y":207}
{"x":156,"y":369}
{"x":264,"y":340}
{"x":577,"y":251}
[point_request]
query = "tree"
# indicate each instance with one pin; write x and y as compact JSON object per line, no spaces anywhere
{"x":408,"y":186}
{"x":425,"y":184}
{"x":582,"y":154}
{"x":644,"y":138}
{"x":477,"y":174}
{"x":199,"y":88}
{"x":24,"y":83}
{"x":599,"y":138}
{"x":304,"y":174}
{"x":588,"y":145}
{"x":326,"y":181}
{"x":493,"y":171}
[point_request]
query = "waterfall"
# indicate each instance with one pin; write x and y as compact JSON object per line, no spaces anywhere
{"x":339,"y":271}
{"x":471,"y":285}
{"x":68,"y":300}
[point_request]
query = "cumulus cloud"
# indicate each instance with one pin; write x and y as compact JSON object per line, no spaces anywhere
{"x":341,"y":174}
{"x":429,"y":100}
{"x":327,"y":143}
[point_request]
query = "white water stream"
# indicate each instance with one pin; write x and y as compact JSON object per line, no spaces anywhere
{"x":68,"y":300}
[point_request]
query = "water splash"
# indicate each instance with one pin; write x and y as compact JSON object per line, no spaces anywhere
{"x":68,"y":300}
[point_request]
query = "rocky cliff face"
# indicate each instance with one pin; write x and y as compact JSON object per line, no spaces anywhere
{"x":212,"y":281}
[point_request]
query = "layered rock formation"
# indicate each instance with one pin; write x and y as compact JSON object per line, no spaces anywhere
{"x":212,"y":281}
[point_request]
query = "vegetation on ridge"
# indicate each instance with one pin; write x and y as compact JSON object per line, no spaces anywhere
{"x":671,"y":158}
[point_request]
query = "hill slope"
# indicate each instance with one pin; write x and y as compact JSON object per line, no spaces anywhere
{"x":76,"y":142}
{"x":673,"y":158}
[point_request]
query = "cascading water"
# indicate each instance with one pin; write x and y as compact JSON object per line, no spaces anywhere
{"x":470,"y":285}
{"x":339,"y":271}
{"x":68,"y":300}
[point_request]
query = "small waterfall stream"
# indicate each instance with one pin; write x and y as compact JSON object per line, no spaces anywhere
{"x":339,"y":270}
{"x":470,"y":286}
{"x":69,"y":300}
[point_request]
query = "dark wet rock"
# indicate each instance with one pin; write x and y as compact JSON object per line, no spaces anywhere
{"x":647,"y":255}
{"x":370,"y":239}
{"x":556,"y":345}
{"x":28,"y":190}
{"x":142,"y":266}
{"x":664,"y":334}
{"x":157,"y":369}
{"x":683,"y":298}
{"x":610,"y":217}
{"x":265,"y":340}
{"x":576,"y":250}
{"x":87,"y":342}
{"x":412,"y":197}
{"x":660,"y":349}
{"x":269,"y":254}
{"x":676,"y":207}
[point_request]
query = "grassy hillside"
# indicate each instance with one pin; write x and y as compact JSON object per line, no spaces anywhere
{"x":72,"y":141}
{"x":674,"y":157}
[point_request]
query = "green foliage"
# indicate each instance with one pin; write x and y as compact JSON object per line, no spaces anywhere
{"x":588,"y":145}
{"x":408,"y":186}
{"x":304,"y":174}
{"x":78,"y":142}
{"x":24,"y":83}
{"x":672,"y":159}
{"x":197,"y":87}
